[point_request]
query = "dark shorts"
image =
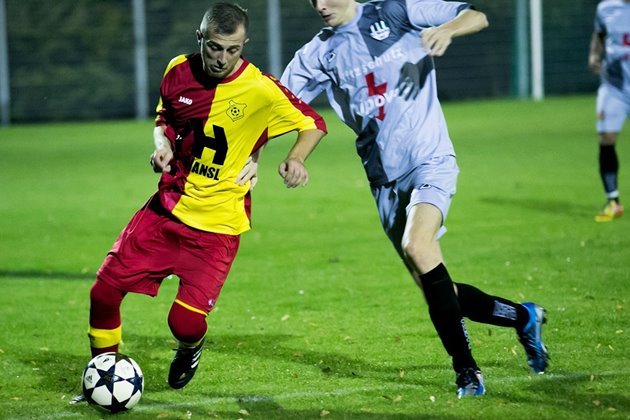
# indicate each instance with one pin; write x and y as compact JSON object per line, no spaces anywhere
{"x":155,"y":245}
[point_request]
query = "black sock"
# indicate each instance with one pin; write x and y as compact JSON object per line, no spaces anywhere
{"x":446,"y":316}
{"x":608,"y":167}
{"x":481,"y":307}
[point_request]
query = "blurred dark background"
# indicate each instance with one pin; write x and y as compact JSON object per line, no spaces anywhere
{"x":75,"y":59}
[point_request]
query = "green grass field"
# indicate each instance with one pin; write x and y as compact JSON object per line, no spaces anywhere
{"x":318,"y":318}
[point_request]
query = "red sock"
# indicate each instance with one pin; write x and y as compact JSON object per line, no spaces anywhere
{"x":187,"y":326}
{"x":105,"y":303}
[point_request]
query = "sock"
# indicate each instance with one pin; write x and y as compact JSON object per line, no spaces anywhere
{"x":608,"y":170}
{"x":481,"y":307}
{"x":446,"y":316}
{"x":105,"y":331}
{"x":189,"y":327}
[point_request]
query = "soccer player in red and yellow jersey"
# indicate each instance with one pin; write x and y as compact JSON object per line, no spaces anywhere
{"x":216,"y":111}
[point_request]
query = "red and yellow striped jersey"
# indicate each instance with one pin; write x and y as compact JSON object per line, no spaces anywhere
{"x":214,"y":125}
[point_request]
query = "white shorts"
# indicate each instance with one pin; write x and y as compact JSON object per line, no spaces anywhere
{"x":613,"y":107}
{"x":434,"y":182}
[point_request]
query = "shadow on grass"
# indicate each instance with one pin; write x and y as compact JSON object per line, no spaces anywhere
{"x":268,"y":409}
{"x":562,"y":207}
{"x":42,"y":274}
{"x":573,"y":391}
{"x":274,"y":347}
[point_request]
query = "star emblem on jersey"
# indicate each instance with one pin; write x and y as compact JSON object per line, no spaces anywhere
{"x":379,"y":30}
{"x":235,"y":110}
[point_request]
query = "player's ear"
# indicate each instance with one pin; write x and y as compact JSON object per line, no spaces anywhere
{"x":199,"y":36}
{"x":246,"y":41}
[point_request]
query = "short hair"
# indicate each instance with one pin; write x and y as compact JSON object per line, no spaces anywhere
{"x":225,"y":18}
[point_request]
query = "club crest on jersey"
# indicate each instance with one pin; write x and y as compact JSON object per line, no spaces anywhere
{"x":235,"y":110}
{"x":379,"y":30}
{"x":330,"y":56}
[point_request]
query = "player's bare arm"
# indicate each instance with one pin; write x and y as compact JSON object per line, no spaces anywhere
{"x":437,"y":39}
{"x":596,"y":52}
{"x":163,"y":154}
{"x":292,"y":169}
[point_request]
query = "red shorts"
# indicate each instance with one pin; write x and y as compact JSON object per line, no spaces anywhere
{"x":155,"y":245}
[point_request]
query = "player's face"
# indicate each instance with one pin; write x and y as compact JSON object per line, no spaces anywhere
{"x":221,"y":52}
{"x":335,"y":12}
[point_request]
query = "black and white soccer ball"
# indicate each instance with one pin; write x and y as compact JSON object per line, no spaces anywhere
{"x":113,"y":381}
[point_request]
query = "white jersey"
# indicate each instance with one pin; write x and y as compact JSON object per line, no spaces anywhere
{"x":613,"y":20}
{"x":380,"y":80}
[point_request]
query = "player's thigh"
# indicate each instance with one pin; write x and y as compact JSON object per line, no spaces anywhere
{"x":420,"y":240}
{"x":433,"y":183}
{"x":203,"y":266}
{"x":423,"y":224}
{"x":613,"y":107}
{"x":142,"y":256}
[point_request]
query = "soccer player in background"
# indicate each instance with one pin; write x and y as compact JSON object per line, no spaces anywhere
{"x":216,"y":110}
{"x":374,"y":61}
{"x":609,"y":57}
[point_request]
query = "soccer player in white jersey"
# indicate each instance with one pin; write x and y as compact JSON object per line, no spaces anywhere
{"x":374,"y":61}
{"x":609,"y":57}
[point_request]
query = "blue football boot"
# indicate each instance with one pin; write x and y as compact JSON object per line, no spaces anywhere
{"x":469,"y":383}
{"x":531,"y":338}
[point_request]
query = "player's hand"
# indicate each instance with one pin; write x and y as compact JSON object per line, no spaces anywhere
{"x":161,"y":159}
{"x":249,"y":173}
{"x":437,"y":40}
{"x":293,"y":172}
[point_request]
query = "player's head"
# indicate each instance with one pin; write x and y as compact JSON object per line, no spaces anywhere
{"x":221,"y":38}
{"x":335,"y":12}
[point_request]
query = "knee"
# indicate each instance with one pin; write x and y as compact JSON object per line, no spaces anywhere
{"x":607,"y":139}
{"x":411,"y":250}
{"x":420,"y":255}
{"x":105,"y":319}
{"x":102,"y":295}
{"x":187,"y":326}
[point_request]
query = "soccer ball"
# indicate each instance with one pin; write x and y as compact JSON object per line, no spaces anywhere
{"x":113,"y":381}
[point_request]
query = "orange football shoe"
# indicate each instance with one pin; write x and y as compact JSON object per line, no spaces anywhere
{"x":612,"y":210}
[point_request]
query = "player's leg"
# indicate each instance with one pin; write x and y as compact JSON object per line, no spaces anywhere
{"x":526,"y":318}
{"x":423,"y":255}
{"x":203,"y":266}
{"x":138,"y":261}
{"x":188,"y":325}
{"x":609,"y":173}
{"x":431,"y":188}
{"x":487,"y":309}
{"x":411,"y":211}
{"x":612,"y":111}
{"x":105,"y":330}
